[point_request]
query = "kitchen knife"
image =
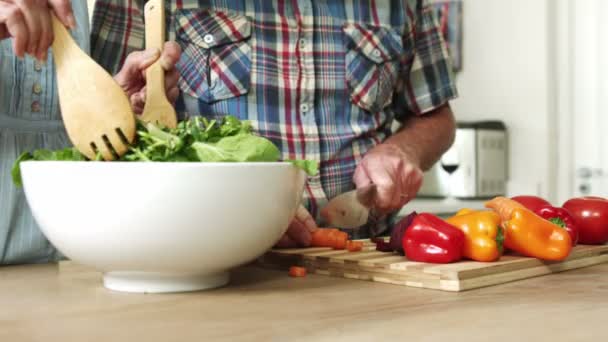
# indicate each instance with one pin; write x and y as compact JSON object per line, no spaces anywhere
{"x":351,"y":209}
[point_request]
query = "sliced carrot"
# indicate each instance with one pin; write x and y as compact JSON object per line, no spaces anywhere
{"x":340,"y":240}
{"x":297,"y":272}
{"x":321,"y":238}
{"x":329,"y":237}
{"x":354,"y":246}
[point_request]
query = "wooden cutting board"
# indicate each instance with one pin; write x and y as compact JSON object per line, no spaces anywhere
{"x":392,"y":268}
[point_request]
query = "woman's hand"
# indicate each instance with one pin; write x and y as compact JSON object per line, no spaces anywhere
{"x":28,"y":22}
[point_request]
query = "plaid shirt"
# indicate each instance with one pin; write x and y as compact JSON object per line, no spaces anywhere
{"x":322,"y":79}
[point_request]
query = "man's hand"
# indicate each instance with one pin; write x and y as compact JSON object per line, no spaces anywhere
{"x":299,"y":233}
{"x":28,"y":22}
{"x":396,"y":165}
{"x":397,"y":177}
{"x":132,"y":76}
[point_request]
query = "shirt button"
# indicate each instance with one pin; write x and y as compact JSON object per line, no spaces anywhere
{"x":35,"y":106}
{"x":208,"y":38}
{"x":302,"y":43}
{"x":376,"y":52}
{"x":304,"y":108}
{"x":37,"y":89}
{"x":37,"y":66}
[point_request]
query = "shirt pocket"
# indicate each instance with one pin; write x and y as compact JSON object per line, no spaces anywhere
{"x":216,"y":59}
{"x":373,"y":55}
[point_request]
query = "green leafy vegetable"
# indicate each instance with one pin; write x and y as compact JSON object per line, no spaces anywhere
{"x":68,"y":154}
{"x":194,"y":140}
{"x":16,"y":171}
{"x":311,"y":167}
{"x":211,"y":153}
{"x":249,"y":148}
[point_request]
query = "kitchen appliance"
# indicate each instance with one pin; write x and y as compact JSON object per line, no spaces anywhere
{"x":475,"y":167}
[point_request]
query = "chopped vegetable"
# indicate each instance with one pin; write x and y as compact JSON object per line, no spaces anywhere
{"x":194,"y":140}
{"x":329,"y":237}
{"x":431,"y":239}
{"x":335,"y":239}
{"x":483,"y":234}
{"x":529,"y":234}
{"x":395,"y":243}
{"x":396,"y":240}
{"x":381,"y":245}
{"x":354,"y":246}
{"x":297,"y":272}
{"x":340,"y":240}
{"x":321,"y":238}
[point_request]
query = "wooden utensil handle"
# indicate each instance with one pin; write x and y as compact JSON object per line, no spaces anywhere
{"x":154,"y":12}
{"x":62,"y":42}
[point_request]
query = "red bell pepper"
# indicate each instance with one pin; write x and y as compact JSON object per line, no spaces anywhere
{"x":431,"y":239}
{"x":591,"y":216}
{"x":562,"y":218}
{"x":533,"y":203}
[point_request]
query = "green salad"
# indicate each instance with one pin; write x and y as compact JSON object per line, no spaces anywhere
{"x":193,"y":140}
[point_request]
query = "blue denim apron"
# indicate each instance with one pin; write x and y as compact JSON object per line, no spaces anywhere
{"x":29,"y":119}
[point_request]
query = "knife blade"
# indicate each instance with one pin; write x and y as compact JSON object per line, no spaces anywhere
{"x":351,"y":209}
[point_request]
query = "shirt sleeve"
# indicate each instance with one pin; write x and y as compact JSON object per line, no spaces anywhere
{"x":427,"y":80}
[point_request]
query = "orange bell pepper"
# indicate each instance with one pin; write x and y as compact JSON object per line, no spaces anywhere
{"x":483,"y":234}
{"x":530,"y":234}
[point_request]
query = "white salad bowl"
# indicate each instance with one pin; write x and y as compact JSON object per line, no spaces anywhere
{"x":162,"y":227}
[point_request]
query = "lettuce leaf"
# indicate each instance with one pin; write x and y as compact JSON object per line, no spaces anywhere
{"x":311,"y":167}
{"x":195,"y":140}
{"x":68,"y":154}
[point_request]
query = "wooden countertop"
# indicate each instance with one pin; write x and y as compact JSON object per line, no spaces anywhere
{"x":68,"y":303}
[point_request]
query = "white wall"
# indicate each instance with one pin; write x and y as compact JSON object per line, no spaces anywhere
{"x":506,"y":75}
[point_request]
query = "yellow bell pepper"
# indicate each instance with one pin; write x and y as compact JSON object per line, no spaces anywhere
{"x":484,"y":235}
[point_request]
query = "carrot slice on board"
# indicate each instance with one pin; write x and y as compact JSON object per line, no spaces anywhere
{"x":340,"y":240}
{"x":329,"y":237}
{"x":354,"y":246}
{"x":297,"y":272}
{"x":321,"y":238}
{"x":318,"y":238}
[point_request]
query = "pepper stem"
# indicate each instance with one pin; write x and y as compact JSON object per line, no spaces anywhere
{"x":558,"y":221}
{"x":500,"y":239}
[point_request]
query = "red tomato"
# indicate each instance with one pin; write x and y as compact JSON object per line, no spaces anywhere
{"x":533,"y":203}
{"x":591,"y":216}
